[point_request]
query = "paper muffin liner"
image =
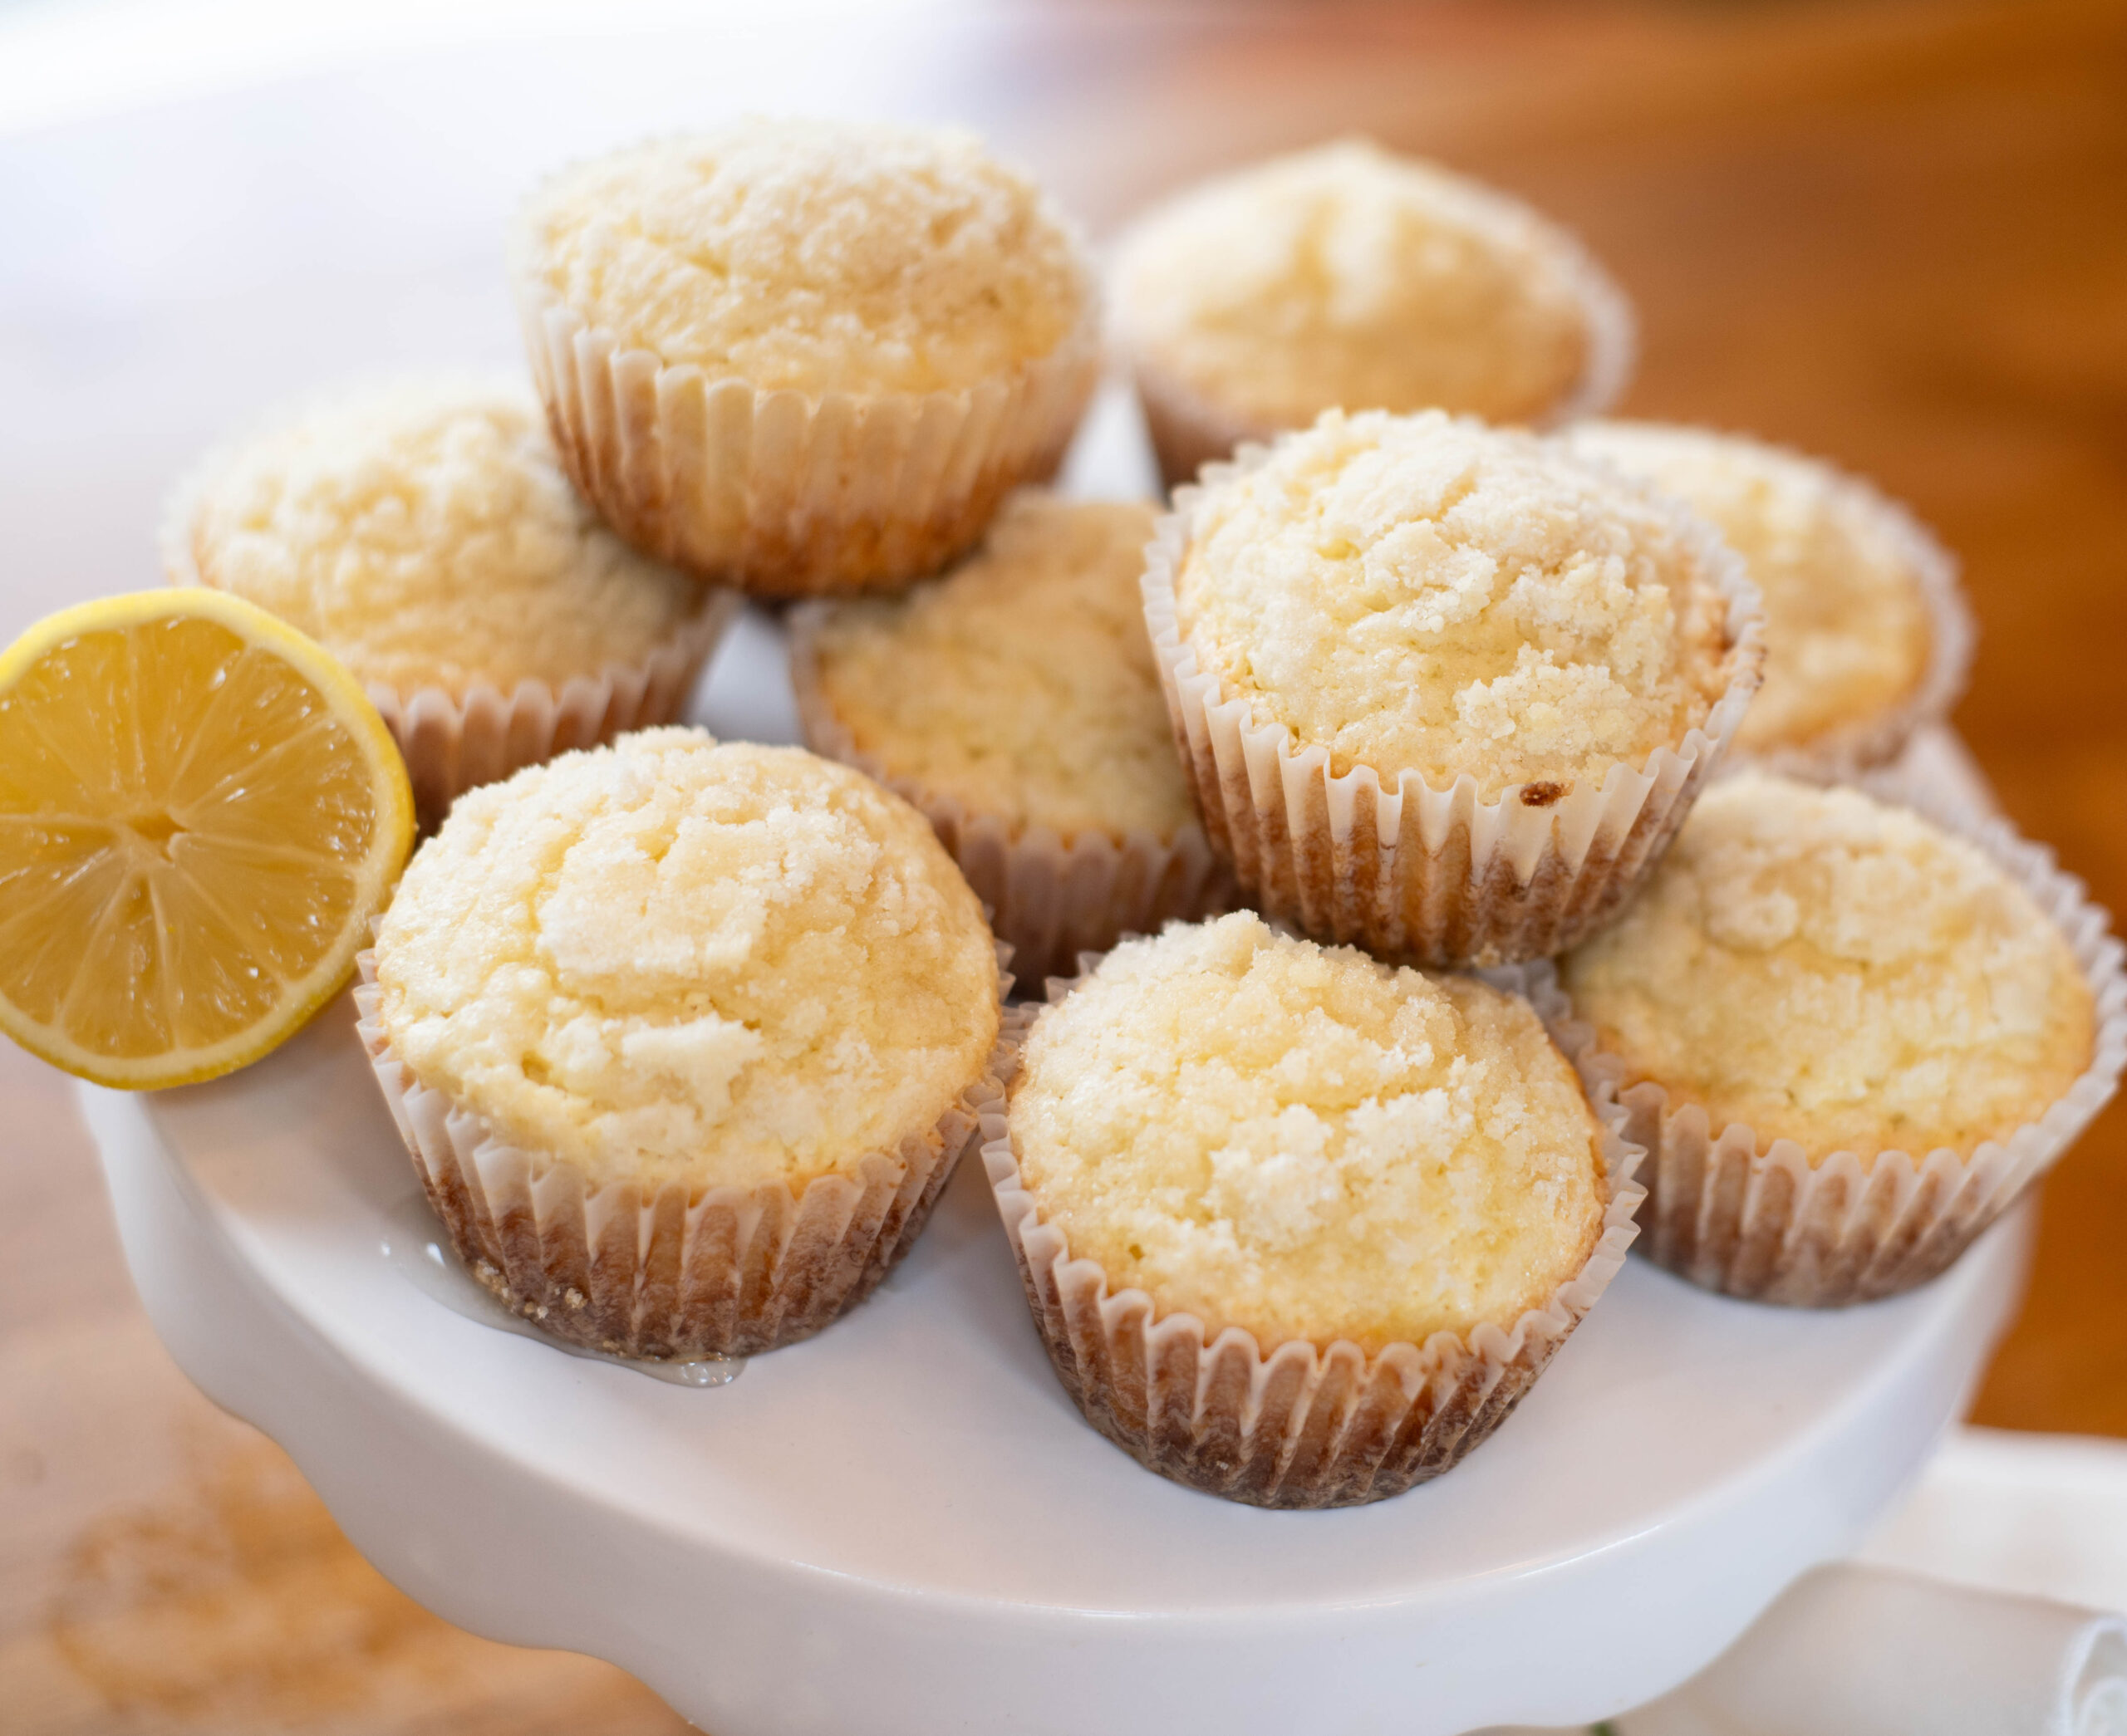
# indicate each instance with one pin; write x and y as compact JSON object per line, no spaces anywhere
{"x":1186,"y":429}
{"x":1189,"y":429}
{"x":452,"y":742}
{"x":1302,"y":1425}
{"x":782,"y":493}
{"x":664,"y":1273}
{"x":1051,"y":898}
{"x":1378,"y":857}
{"x":1758,"y":1219}
{"x":1869,"y":742}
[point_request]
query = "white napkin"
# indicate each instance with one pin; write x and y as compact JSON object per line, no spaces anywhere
{"x":1960,"y":1616}
{"x":1869,"y":1651}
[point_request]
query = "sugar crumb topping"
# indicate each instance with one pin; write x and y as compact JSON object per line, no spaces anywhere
{"x":425,"y":535}
{"x":1834,"y":970}
{"x":1429,"y":594}
{"x":1347,"y":277}
{"x":677,"y":959}
{"x":1847,"y":627}
{"x":1022,"y":682}
{"x":1303,"y":1142}
{"x":812,"y":255}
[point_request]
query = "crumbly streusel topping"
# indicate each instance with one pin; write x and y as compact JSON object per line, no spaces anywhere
{"x":1300,"y":1140}
{"x":677,"y":959}
{"x":1022,"y":683}
{"x":812,"y":255}
{"x":1831,"y":970}
{"x":1847,"y":626}
{"x":1346,"y":277}
{"x":425,"y":535}
{"x":1422,"y":593}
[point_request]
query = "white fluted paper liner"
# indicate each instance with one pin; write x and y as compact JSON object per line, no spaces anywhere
{"x":663,"y":1272}
{"x":1301,"y":1425}
{"x":1051,"y":898}
{"x":1377,"y":856}
{"x":1189,"y":429}
{"x":782,"y":493}
{"x":453,"y":742}
{"x":1867,"y":743}
{"x":1759,"y":1219}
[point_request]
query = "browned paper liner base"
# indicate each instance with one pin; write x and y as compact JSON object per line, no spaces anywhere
{"x":1188,"y":430}
{"x":1761,"y":1221}
{"x":783,"y":494}
{"x":452,"y":742}
{"x":1386,"y":861}
{"x":660,"y":1273}
{"x":1051,"y":899}
{"x":1302,"y":1426}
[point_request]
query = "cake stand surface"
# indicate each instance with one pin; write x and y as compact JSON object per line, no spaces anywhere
{"x":903,"y":1529}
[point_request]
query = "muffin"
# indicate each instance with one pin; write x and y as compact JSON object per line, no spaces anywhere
{"x":1298,"y":1227}
{"x":1344,"y":277}
{"x":1444,"y":690}
{"x":805,"y":356}
{"x":1848,"y":1035}
{"x":1867,"y":639}
{"x":684,"y":1037}
{"x":1016,"y":703}
{"x":424,"y":534}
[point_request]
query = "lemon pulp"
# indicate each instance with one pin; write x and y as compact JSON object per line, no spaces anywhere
{"x":199,"y":814}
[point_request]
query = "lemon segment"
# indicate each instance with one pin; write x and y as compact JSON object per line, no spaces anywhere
{"x":200,"y":812}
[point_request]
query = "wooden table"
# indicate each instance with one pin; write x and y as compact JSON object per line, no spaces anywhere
{"x":1892,"y":233}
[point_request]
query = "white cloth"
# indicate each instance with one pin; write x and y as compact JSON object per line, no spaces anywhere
{"x":2044,"y":1514}
{"x":1976,"y":1609}
{"x":1870,"y":1651}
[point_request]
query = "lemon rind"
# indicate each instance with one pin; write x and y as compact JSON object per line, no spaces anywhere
{"x":375,"y":875}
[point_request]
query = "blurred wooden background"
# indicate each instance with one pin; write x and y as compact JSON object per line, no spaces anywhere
{"x":1893,"y":232}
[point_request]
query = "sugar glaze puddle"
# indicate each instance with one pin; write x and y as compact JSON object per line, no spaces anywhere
{"x":414,"y":1246}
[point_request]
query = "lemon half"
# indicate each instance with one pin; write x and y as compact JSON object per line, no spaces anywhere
{"x":200,"y":813}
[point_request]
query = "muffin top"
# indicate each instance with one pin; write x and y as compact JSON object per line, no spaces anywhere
{"x":425,"y":535}
{"x":1831,"y":970}
{"x":1847,"y":627}
{"x":678,"y":960}
{"x":1022,"y":683}
{"x":1345,"y":277}
{"x":1426,"y":594}
{"x":1301,"y":1141}
{"x":812,"y":255}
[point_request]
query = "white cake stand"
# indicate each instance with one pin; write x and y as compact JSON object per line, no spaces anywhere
{"x":902,"y":1527}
